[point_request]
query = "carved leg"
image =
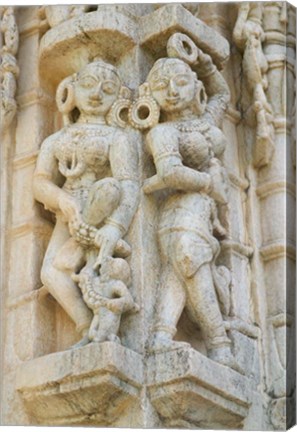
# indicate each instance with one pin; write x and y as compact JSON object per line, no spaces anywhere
{"x":203,"y":305}
{"x":59,"y":283}
{"x":94,"y":326}
{"x":170,"y":304}
{"x":103,"y":199}
{"x":109,"y":324}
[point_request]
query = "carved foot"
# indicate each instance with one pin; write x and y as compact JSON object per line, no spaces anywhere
{"x":84,"y":341}
{"x":110,"y":338}
{"x":114,"y":338}
{"x":224,"y":356}
{"x":162,"y":343}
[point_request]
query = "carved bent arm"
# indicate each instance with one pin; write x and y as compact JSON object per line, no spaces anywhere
{"x":163,"y":143}
{"x":46,"y":178}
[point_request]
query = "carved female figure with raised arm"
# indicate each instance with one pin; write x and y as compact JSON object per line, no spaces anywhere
{"x":186,"y":148}
{"x":87,"y":175}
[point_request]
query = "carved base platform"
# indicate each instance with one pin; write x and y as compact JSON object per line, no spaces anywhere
{"x":189,"y":390}
{"x":92,"y":385}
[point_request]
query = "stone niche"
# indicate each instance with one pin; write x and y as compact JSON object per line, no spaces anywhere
{"x":148,"y":173}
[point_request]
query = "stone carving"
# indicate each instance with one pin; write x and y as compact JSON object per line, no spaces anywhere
{"x":212,"y":253}
{"x":249,"y":36}
{"x":57,"y":14}
{"x":186,"y":147}
{"x":107,"y":296}
{"x":87,"y":175}
{"x":9,"y":69}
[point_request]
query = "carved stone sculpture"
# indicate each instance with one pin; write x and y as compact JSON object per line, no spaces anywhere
{"x":57,"y":14}
{"x":147,"y":215}
{"x":186,"y":148}
{"x":86,"y":174}
{"x":107,"y":296}
{"x":9,"y":69}
{"x":249,"y":36}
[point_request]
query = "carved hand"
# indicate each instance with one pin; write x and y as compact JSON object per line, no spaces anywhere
{"x":205,"y":64}
{"x":106,"y":240}
{"x":69,"y":207}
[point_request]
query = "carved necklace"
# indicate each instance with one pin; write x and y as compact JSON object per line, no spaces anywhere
{"x":192,"y":126}
{"x":93,"y":129}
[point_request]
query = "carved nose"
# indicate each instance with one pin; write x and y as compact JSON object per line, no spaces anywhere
{"x":172,"y":90}
{"x":97,"y":93}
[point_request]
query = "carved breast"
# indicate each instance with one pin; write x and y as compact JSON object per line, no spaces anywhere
{"x":199,"y":142}
{"x":83,"y":149}
{"x":194,"y":149}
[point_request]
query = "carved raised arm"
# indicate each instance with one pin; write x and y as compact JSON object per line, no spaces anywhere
{"x":216,"y":88}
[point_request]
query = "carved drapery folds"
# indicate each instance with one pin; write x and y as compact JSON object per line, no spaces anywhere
{"x":155,"y":175}
{"x":9,"y":69}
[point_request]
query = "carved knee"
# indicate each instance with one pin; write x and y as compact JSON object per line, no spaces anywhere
{"x":191,"y":254}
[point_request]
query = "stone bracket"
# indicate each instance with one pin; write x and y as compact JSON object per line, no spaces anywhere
{"x":197,"y":392}
{"x":89,"y":385}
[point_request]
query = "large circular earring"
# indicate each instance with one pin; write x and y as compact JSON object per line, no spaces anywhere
{"x":65,"y":98}
{"x":118,"y":113}
{"x":144,"y":112}
{"x":200,"y":100}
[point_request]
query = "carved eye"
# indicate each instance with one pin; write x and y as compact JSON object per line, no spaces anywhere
{"x":87,"y":82}
{"x":109,"y":87}
{"x":160,"y":85}
{"x":181,"y":81}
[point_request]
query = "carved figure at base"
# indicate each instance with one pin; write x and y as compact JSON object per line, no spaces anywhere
{"x":86,"y":174}
{"x":186,"y":148}
{"x":107,"y":296}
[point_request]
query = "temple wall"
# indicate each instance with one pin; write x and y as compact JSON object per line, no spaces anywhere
{"x":234,"y":370}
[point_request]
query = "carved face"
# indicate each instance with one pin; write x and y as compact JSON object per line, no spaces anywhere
{"x":172,"y":84}
{"x":96,"y":89}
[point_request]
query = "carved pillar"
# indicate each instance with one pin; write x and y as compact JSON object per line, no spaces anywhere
{"x":276,"y":190}
{"x":28,"y":231}
{"x":237,"y":248}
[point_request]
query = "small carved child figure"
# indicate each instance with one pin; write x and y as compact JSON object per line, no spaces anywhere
{"x":107,"y":296}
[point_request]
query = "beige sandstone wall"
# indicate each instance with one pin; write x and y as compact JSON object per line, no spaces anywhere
{"x":171,"y":196}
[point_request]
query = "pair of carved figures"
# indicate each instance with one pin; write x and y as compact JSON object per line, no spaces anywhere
{"x":87,"y":175}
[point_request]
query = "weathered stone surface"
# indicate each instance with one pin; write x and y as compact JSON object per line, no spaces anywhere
{"x":147,"y":206}
{"x":90,"y":385}
{"x":191,"y":392}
